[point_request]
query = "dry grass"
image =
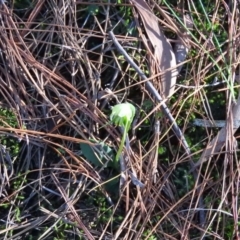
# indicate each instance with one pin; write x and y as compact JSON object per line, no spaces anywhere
{"x":56,"y":59}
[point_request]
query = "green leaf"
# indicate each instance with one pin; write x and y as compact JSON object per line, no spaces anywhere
{"x":112,"y":186}
{"x":98,"y":155}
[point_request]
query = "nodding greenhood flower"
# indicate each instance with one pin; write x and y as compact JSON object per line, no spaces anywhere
{"x":122,"y":115}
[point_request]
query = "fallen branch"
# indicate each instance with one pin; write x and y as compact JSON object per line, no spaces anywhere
{"x":214,"y":123}
{"x":152,"y":90}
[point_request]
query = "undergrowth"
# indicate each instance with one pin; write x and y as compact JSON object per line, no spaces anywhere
{"x":61,"y":75}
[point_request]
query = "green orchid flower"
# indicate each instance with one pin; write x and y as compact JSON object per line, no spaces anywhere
{"x":122,"y":115}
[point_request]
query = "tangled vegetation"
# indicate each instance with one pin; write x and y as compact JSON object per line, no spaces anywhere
{"x":65,"y":65}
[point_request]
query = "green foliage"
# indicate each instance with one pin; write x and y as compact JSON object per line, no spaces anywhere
{"x":127,"y":19}
{"x":105,"y":212}
{"x":161,"y":150}
{"x":152,"y":237}
{"x":101,"y":155}
{"x":8,"y":119}
{"x":112,"y":187}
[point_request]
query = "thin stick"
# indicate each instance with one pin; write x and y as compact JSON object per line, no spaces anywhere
{"x":152,"y":90}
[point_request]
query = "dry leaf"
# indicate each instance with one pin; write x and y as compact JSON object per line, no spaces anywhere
{"x":219,"y":141}
{"x":163,"y":52}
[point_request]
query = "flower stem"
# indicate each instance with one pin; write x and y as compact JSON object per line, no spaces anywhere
{"x":125,"y":130}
